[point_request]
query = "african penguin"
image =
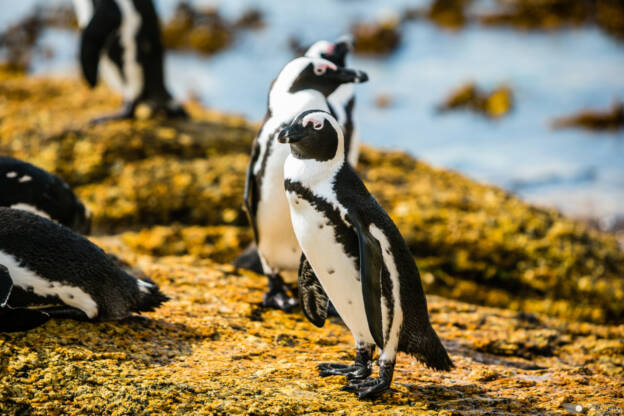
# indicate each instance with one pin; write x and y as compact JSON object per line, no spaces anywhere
{"x":342,"y":101}
{"x":27,"y":187}
{"x":303,"y":84}
{"x":353,"y":255}
{"x":121,"y":41}
{"x":60,"y":274}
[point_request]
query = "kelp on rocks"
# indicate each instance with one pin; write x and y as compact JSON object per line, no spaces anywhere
{"x":171,"y":181}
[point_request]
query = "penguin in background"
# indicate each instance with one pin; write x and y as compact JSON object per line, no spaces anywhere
{"x":27,"y":187}
{"x":303,"y":84}
{"x":50,"y":272}
{"x":121,"y":42}
{"x":353,"y":255}
{"x":342,"y":101}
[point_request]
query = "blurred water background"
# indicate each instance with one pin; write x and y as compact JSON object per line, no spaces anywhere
{"x":551,"y":73}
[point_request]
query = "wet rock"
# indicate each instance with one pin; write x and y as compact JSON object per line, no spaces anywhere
{"x":377,"y":38}
{"x":612,"y":119}
{"x":494,"y":104}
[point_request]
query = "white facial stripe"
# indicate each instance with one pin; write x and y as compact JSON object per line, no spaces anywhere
{"x":70,"y":295}
{"x":320,"y":47}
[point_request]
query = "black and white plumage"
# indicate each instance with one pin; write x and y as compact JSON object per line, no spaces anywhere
{"x":342,"y":101}
{"x":25,"y":186}
{"x":121,"y":42}
{"x":353,"y":255}
{"x":50,"y":271}
{"x":303,"y":84}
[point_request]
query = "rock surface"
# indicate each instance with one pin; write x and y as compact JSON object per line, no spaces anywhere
{"x":166,"y":198}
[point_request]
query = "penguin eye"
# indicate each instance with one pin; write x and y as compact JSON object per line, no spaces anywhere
{"x":317,"y":125}
{"x":319,"y":70}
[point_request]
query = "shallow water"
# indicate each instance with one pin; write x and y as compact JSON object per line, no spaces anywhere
{"x":551,"y":74}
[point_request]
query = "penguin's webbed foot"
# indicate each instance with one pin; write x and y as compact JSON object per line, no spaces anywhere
{"x":277,"y":297}
{"x":351,"y":372}
{"x":372,"y":387}
{"x":331,"y":310}
{"x":125,"y":113}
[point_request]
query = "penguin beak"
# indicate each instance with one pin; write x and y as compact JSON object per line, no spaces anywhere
{"x":346,"y":76}
{"x":290,"y":135}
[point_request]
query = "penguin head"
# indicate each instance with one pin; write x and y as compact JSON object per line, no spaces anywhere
{"x":314,"y":134}
{"x":335,"y":52}
{"x":317,"y":74}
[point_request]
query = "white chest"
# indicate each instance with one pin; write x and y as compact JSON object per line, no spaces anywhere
{"x":337,"y":272}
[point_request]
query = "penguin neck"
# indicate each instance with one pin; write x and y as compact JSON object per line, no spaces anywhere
{"x":313,"y":173}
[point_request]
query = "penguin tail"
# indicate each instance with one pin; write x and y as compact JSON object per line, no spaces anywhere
{"x":427,"y":348}
{"x":150,"y":296}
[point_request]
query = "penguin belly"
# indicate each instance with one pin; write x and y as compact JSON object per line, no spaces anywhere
{"x":336,"y":271}
{"x":277,"y":243}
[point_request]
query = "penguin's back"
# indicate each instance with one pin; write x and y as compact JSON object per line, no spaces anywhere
{"x":49,"y":259}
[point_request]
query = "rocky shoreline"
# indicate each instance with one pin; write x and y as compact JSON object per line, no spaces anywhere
{"x":166,"y":197}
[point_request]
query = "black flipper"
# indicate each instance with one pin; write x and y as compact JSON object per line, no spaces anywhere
{"x":6,"y":284}
{"x":21,"y":319}
{"x":371,"y":264}
{"x":314,"y":301}
{"x":249,"y":196}
{"x":106,"y":18}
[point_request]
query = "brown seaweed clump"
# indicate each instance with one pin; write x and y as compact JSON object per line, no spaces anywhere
{"x":494,"y":104}
{"x":19,"y":40}
{"x":202,"y":30}
{"x":554,"y":14}
{"x":612,"y":119}
{"x":174,"y":187}
{"x":448,"y":13}
{"x":377,"y":38}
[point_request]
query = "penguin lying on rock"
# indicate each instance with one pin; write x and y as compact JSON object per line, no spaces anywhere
{"x":27,"y":187}
{"x":48,"y":271}
{"x":121,"y":41}
{"x":303,"y":84}
{"x":353,"y":255}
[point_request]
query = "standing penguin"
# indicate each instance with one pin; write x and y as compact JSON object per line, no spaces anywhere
{"x":303,"y":84}
{"x":61,"y":274}
{"x":342,"y":101}
{"x":121,"y":40}
{"x":27,"y":187}
{"x":353,"y":255}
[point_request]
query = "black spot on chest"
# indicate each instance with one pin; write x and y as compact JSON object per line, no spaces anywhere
{"x":344,"y":234}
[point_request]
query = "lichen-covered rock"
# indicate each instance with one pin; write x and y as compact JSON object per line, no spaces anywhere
{"x":212,"y":350}
{"x":495,"y":104}
{"x":377,"y":38}
{"x":175,"y":188}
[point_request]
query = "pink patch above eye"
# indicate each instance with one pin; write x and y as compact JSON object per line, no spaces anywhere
{"x":330,"y":48}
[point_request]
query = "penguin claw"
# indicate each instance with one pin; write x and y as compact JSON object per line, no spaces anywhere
{"x":367,"y":388}
{"x":351,"y":372}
